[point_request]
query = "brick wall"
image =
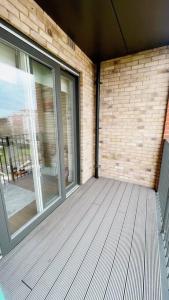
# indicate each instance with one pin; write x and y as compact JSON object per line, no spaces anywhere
{"x":29,"y":18}
{"x":134,"y":94}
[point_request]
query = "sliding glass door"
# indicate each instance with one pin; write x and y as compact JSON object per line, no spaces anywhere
{"x":46,"y":133}
{"x":38,"y":162}
{"x":69,"y":129}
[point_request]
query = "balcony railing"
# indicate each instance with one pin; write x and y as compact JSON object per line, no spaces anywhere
{"x":15,"y":157}
{"x":163,"y":192}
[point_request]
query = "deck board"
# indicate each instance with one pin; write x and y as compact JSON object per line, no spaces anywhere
{"x":116,"y":273}
{"x":101,"y":243}
{"x":98,"y":249}
{"x":135,"y":274}
{"x":79,"y":239}
{"x":101,"y":229}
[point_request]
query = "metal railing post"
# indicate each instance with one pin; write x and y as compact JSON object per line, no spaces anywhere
{"x":10,"y":158}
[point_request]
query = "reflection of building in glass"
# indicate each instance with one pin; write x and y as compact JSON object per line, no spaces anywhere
{"x":15,"y":124}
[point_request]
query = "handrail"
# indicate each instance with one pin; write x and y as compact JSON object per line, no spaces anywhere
{"x":163,"y":195}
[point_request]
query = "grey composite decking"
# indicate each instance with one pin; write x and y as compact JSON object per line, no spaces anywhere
{"x":101,"y":243}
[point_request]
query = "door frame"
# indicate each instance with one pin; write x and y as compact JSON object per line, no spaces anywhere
{"x":8,"y":241}
{"x":76,"y":128}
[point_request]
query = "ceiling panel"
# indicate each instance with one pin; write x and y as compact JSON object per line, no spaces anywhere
{"x":145,"y":23}
{"x":90,"y":23}
{"x":106,"y":29}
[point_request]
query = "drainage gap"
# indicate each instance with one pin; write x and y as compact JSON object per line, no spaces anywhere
{"x":26,"y":284}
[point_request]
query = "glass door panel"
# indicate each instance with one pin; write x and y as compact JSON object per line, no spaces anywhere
{"x":68,"y":125}
{"x":16,"y":157}
{"x":48,"y":156}
{"x":29,"y":160}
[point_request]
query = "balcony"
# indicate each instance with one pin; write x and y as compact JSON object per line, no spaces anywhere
{"x":84,"y":151}
{"x":102,"y":243}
